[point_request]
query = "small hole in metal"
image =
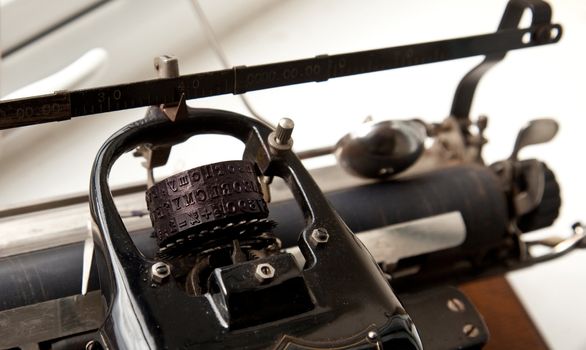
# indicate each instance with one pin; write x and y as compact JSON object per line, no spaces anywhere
{"x":554,"y":33}
{"x":526,"y":38}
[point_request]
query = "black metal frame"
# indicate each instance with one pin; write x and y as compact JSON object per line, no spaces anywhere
{"x":140,"y":315}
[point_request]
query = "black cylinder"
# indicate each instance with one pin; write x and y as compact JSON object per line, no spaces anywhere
{"x":472,"y":190}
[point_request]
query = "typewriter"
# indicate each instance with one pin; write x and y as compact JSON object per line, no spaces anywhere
{"x":257,"y":251}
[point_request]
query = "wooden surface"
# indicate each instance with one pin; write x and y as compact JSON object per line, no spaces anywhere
{"x":508,"y":323}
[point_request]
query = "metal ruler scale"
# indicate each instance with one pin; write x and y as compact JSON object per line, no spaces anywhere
{"x":63,"y":105}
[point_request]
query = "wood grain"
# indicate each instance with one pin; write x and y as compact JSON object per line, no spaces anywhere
{"x":508,"y":323}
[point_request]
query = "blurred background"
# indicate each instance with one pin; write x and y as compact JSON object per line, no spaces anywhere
{"x":55,"y":45}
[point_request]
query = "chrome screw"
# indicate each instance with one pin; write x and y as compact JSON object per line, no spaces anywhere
{"x":456,"y":305}
{"x":160,"y":271}
{"x":320,"y":235}
{"x":264,"y":272}
{"x":470,"y":330}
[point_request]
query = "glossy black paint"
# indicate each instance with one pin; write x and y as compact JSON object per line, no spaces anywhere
{"x":350,"y":295}
{"x":243,"y":301}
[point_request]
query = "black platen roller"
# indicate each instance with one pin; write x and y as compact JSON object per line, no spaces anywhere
{"x":473,"y":190}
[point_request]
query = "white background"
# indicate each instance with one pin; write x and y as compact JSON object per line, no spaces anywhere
{"x":41,"y":162}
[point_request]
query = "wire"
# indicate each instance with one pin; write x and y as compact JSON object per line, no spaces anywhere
{"x":213,"y":41}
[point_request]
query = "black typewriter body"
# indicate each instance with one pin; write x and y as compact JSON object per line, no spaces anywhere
{"x":259,"y":252}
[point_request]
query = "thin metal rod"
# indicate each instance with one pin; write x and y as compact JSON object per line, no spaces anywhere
{"x":216,"y":46}
{"x":238,"y":80}
{"x":316,"y":152}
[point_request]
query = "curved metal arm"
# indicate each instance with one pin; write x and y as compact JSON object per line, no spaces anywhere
{"x":541,"y":12}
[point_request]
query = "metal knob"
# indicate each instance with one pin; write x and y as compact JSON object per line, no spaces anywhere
{"x":284,"y":131}
{"x":280,"y":139}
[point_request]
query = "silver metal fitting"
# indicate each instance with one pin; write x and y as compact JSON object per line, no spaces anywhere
{"x":284,"y":131}
{"x":372,"y":335}
{"x":167,"y":66}
{"x":160,"y":271}
{"x":280,"y":139}
{"x":470,"y":330}
{"x":456,"y":305}
{"x":320,"y":235}
{"x":264,"y":272}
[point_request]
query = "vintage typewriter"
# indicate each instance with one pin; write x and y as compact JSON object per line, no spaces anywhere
{"x":259,"y":252}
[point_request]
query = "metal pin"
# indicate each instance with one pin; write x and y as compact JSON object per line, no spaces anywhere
{"x":167,"y":66}
{"x":284,"y":131}
{"x":280,"y":139}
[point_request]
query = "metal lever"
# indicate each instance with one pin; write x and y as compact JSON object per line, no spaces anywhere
{"x":536,"y":132}
{"x":557,"y":246}
{"x":541,"y":17}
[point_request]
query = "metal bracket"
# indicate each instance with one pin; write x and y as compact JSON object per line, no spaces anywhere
{"x":167,"y":67}
{"x":155,"y":156}
{"x":554,"y":246}
{"x":541,"y":17}
{"x":175,"y":111}
{"x":461,"y":326}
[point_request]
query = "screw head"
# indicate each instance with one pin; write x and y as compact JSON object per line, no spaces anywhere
{"x":470,"y":330}
{"x":456,"y":305}
{"x":160,"y":271}
{"x":264,"y":272}
{"x":372,"y":335}
{"x":320,"y":235}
